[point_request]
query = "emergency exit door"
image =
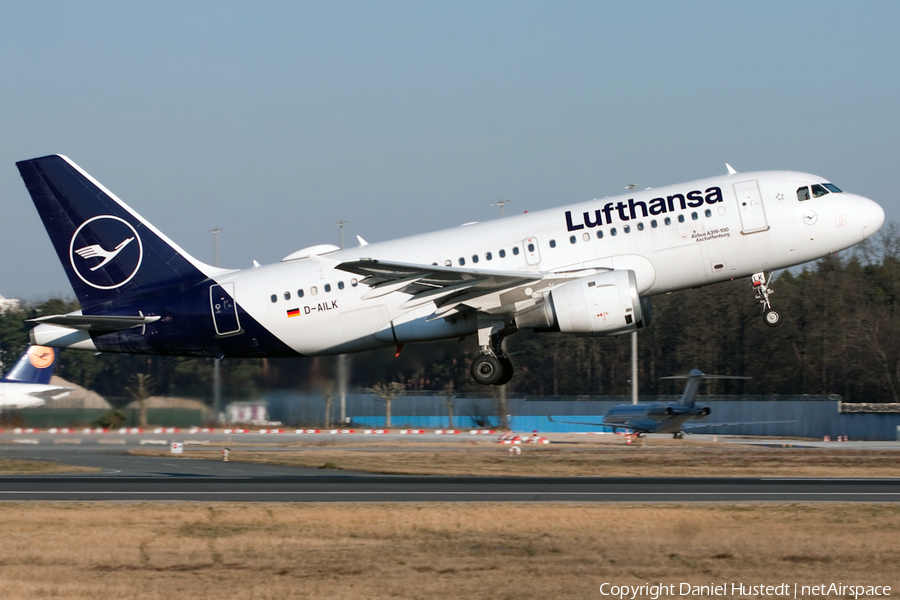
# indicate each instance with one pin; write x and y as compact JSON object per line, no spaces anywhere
{"x":750,"y":206}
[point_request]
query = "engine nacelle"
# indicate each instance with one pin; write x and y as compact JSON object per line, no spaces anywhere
{"x":603,"y":304}
{"x":660,"y":411}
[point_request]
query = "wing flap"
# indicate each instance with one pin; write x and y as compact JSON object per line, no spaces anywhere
{"x":451,"y":288}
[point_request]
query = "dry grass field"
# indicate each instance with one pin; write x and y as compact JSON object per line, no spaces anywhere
{"x":15,"y":466}
{"x":467,"y":551}
{"x":610,"y":460}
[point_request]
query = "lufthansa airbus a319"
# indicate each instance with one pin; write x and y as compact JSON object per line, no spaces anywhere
{"x":586,"y":269}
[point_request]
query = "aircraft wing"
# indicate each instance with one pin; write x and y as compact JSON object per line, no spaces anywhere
{"x":451,"y":287}
{"x":52,"y":392}
{"x":609,"y":425}
{"x":95,"y":322}
{"x":698,"y":425}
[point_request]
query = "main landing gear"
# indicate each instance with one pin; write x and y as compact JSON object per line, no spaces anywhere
{"x":492,"y":366}
{"x":678,"y":435}
{"x":761,"y":283}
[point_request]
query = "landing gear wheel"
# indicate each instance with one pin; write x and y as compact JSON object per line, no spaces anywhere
{"x":508,"y":371}
{"x":772,"y":318}
{"x":486,"y":369}
{"x":679,"y":435}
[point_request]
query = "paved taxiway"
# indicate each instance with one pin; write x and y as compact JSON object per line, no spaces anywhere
{"x":139,"y":478}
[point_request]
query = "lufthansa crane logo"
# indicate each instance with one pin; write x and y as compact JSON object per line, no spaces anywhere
{"x":41,"y":357}
{"x":106,"y":252}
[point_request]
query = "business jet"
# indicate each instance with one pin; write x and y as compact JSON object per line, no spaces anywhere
{"x":27,"y":384}
{"x":667,"y":418}
{"x":584,"y":269}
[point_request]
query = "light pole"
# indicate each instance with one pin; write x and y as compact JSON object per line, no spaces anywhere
{"x":502,"y":410}
{"x":217,"y":375}
{"x":501,"y":204}
{"x":634,"y":342}
{"x":343,"y":366}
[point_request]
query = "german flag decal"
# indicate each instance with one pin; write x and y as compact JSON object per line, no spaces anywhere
{"x":294,"y":312}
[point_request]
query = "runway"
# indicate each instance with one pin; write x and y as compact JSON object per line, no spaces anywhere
{"x":164,"y":478}
{"x":367,"y":488}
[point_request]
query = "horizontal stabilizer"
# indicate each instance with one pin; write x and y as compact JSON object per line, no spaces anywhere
{"x":95,"y":322}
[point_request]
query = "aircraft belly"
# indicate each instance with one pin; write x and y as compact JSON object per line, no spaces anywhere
{"x":679,"y":267}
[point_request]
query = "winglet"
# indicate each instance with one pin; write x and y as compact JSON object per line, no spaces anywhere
{"x":731,"y":170}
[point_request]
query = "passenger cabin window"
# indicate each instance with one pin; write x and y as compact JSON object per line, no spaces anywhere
{"x":599,"y":234}
{"x":474,"y":258}
{"x":488,"y":256}
{"x":803,"y":193}
{"x":612,"y":231}
{"x":448,"y":263}
{"x":462,"y":261}
{"x":313,"y":290}
{"x":640,"y":226}
{"x":327,"y":287}
{"x":287,"y":295}
{"x":354,"y":282}
{"x":274,"y":298}
{"x":586,"y":237}
{"x":653,"y":223}
{"x":299,"y":293}
{"x":502,"y":253}
{"x":708,"y":213}
{"x":681,"y":218}
{"x":340,"y":285}
{"x":553,"y":243}
{"x":531,"y":247}
{"x":572,"y":239}
{"x":627,"y":229}
{"x":516,"y":250}
{"x":668,"y":221}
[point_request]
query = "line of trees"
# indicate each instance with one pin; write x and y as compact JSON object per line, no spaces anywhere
{"x":840,"y":334}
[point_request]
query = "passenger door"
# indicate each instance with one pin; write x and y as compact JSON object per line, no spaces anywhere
{"x":750,"y":206}
{"x":224,"y":309}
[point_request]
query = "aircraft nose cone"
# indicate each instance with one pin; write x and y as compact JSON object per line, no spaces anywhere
{"x":871,"y":215}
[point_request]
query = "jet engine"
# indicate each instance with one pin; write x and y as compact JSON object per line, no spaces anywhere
{"x":604,"y":304}
{"x":659,"y":411}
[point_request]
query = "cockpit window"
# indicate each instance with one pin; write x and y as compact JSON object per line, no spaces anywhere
{"x":832,"y":188}
{"x":803,"y":193}
{"x":818,"y":191}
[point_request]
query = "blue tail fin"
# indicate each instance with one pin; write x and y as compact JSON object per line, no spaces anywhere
{"x":34,"y":366}
{"x":109,"y":252}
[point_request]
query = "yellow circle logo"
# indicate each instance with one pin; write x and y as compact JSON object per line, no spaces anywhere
{"x":41,"y":357}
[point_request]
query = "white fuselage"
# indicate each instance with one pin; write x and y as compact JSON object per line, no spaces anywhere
{"x":755,"y":223}
{"x":24,"y":395}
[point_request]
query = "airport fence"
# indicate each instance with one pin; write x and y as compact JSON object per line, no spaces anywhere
{"x":813,"y":416}
{"x":44,"y":418}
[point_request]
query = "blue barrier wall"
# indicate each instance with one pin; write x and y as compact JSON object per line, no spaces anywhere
{"x":817,"y":416}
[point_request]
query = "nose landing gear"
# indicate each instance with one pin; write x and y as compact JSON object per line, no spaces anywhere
{"x":492,"y":366}
{"x":760,"y":282}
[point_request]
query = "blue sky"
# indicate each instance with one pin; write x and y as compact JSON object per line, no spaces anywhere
{"x":276,"y":119}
